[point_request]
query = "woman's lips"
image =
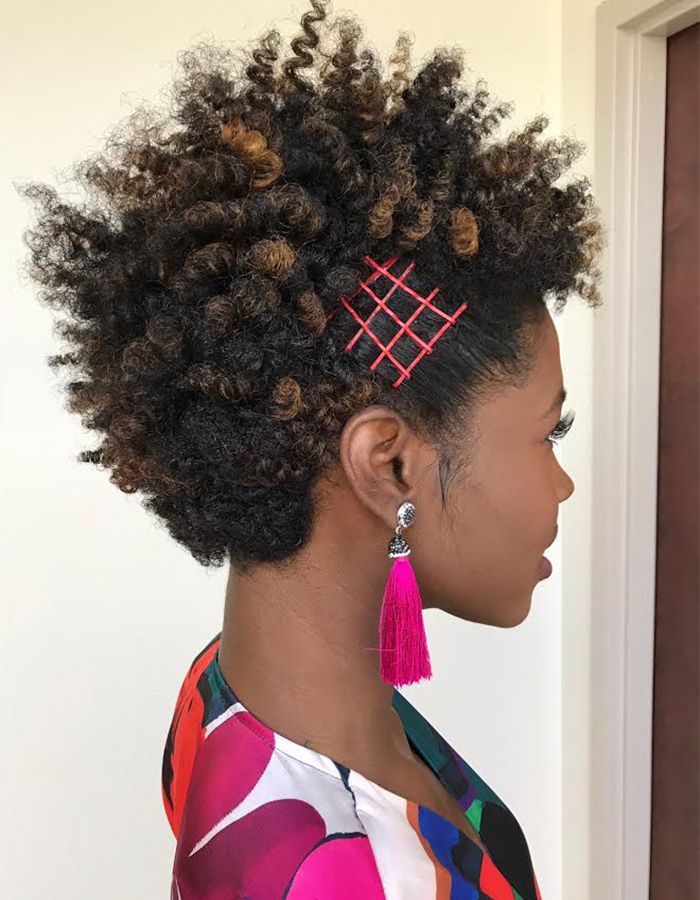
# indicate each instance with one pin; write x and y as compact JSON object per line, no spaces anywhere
{"x":545,"y":567}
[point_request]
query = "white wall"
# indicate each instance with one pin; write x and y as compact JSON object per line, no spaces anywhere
{"x":102,"y":611}
{"x":576,"y":336}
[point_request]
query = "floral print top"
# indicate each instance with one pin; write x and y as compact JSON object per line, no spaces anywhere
{"x":259,"y":817}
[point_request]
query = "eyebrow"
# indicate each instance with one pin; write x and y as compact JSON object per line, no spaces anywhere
{"x":558,"y":401}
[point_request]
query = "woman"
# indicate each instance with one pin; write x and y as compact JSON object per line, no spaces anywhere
{"x":311,"y":324}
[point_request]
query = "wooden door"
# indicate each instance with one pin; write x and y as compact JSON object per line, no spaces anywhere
{"x":675,"y":840}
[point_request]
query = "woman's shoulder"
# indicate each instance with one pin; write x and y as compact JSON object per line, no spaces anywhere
{"x":248,"y":816}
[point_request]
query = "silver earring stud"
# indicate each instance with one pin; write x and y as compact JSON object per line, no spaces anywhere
{"x":405,"y":517}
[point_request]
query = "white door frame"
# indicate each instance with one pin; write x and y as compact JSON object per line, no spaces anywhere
{"x":629,"y":154}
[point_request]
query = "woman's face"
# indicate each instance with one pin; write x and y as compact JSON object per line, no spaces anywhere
{"x":478,"y":557}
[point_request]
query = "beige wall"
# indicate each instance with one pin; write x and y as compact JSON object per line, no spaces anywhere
{"x":102,"y":612}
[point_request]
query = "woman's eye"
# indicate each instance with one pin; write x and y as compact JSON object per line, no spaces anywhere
{"x":562,"y":427}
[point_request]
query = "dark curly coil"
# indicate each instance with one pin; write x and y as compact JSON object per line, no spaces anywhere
{"x":196,"y":289}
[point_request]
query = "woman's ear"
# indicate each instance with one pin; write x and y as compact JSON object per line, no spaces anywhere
{"x":383,"y":460}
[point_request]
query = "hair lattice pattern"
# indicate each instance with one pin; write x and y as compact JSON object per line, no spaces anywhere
{"x":396,"y":283}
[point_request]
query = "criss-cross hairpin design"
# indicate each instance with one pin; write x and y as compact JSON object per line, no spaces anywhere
{"x":397,"y":283}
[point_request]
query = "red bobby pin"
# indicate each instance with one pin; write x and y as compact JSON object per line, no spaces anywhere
{"x":382,"y":304}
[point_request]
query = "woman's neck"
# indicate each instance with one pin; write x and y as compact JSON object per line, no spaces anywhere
{"x":294,"y":649}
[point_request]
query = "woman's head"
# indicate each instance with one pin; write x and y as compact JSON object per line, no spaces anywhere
{"x":197,"y":293}
{"x":476,"y":549}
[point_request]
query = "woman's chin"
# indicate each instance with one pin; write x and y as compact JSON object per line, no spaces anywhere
{"x":502,"y":611}
{"x":518,"y":612}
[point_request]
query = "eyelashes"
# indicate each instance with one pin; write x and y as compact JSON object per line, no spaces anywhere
{"x":561,"y":429}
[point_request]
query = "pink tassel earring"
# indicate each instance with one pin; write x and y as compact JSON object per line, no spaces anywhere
{"x":403,"y":644}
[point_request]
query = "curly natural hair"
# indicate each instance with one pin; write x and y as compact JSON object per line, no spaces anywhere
{"x":220,"y":233}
